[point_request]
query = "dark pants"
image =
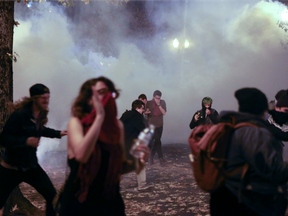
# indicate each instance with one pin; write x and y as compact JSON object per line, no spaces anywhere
{"x":157,"y":147}
{"x":36,"y":177}
{"x":224,"y":203}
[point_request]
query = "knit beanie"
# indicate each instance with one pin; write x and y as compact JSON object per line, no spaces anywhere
{"x":38,"y":89}
{"x":251,"y":100}
{"x":283,"y":100}
{"x":280,"y":93}
{"x":207,"y":100}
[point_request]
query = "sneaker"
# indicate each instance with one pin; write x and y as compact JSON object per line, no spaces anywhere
{"x":144,"y":187}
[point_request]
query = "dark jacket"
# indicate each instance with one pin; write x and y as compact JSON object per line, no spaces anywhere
{"x":264,"y":187}
{"x":18,"y":128}
{"x":133,"y":124}
{"x":277,"y":128}
{"x":209,"y":119}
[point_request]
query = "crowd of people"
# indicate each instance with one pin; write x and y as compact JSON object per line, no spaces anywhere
{"x":98,"y":150}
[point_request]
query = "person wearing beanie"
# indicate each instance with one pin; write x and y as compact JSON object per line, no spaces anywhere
{"x":263,"y":188}
{"x":206,"y":115}
{"x":278,"y":117}
{"x":20,"y":138}
{"x":279,"y":94}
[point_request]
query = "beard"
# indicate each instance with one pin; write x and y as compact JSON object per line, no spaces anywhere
{"x":42,"y":107}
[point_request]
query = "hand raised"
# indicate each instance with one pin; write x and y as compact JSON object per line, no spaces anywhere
{"x":208,"y":112}
{"x":97,"y":104}
{"x":157,"y":101}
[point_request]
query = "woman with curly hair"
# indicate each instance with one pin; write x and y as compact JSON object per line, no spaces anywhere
{"x":95,"y":153}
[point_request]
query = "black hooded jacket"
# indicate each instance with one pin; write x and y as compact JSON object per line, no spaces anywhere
{"x":18,"y":128}
{"x":209,"y":119}
{"x":133,"y":124}
{"x":276,"y":125}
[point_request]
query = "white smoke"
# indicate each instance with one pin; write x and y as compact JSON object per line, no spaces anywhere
{"x":232,"y":45}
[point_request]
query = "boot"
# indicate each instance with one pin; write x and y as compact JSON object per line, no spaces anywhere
{"x":162,"y":161}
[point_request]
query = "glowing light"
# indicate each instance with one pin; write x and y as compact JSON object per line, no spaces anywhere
{"x":175,"y":43}
{"x":29,"y":4}
{"x":101,"y":63}
{"x":186,"y":45}
{"x":284,"y":15}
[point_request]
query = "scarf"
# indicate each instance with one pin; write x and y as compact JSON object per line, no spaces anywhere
{"x":108,"y":139}
{"x":156,"y":111}
{"x":278,"y":118}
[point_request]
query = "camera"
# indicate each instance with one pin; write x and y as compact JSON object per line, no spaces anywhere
{"x":199,"y":114}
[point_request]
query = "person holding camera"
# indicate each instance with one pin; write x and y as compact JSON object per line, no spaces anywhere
{"x":206,"y":115}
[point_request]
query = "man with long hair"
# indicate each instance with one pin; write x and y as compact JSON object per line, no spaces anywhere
{"x":20,"y":138}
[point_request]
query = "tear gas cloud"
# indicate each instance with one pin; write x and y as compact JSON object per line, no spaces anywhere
{"x":233,"y":44}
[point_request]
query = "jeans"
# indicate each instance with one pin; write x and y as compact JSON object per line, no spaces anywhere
{"x":36,"y":177}
{"x":157,"y":147}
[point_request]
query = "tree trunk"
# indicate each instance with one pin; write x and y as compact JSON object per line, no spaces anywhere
{"x":6,"y":46}
{"x":6,"y":96}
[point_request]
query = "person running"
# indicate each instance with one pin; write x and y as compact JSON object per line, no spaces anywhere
{"x":20,"y":138}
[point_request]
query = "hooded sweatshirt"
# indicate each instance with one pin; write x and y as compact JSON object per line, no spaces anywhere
{"x":204,"y":119}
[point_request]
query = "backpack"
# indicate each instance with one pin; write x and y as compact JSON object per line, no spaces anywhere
{"x":209,"y":146}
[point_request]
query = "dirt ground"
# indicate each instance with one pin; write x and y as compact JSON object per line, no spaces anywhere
{"x":174,"y":193}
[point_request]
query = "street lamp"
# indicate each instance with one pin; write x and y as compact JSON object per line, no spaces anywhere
{"x":175,"y":43}
{"x":186,"y":45}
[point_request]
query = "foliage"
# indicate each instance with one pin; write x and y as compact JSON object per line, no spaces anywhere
{"x":284,"y":25}
{"x":13,"y":57}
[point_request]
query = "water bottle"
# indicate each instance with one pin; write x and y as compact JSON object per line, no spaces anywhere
{"x":144,"y":138}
